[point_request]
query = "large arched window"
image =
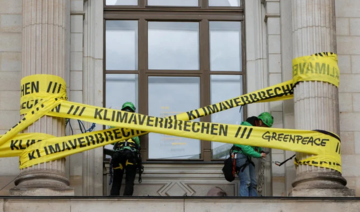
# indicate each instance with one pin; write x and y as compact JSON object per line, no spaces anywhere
{"x":172,"y":56}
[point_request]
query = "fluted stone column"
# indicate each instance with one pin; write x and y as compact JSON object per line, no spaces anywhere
{"x":316,"y":103}
{"x":44,"y":52}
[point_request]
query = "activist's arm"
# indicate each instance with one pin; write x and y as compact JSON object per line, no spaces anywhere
{"x":249,"y":151}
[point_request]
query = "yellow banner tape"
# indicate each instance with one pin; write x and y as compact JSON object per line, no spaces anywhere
{"x":317,"y":67}
{"x":34,"y":89}
{"x":46,"y":95}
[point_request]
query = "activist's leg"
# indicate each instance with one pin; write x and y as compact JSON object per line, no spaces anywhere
{"x":129,"y":180}
{"x":130,"y":175}
{"x":253,"y":181}
{"x":244,"y":176}
{"x":118,"y":175}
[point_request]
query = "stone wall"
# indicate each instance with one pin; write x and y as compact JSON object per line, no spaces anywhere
{"x":10,"y":76}
{"x":75,"y":86}
{"x":348,"y":48}
{"x":275,"y":72}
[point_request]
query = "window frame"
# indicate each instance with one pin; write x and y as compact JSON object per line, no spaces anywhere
{"x":203,"y":15}
{"x":203,"y":5}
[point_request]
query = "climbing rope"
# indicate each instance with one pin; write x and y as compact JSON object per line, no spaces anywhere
{"x":261,"y":173}
{"x":81,"y":126}
{"x":261,"y":176}
{"x":83,"y":129}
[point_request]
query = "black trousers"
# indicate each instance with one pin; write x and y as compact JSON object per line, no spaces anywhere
{"x":124,"y":161}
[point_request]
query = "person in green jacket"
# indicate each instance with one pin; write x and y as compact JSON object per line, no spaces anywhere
{"x":247,"y":175}
{"x":126,"y":157}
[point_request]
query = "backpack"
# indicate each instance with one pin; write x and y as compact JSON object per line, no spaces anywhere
{"x":229,"y":168}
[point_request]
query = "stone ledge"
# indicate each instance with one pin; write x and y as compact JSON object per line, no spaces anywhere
{"x":345,"y":192}
{"x":42,"y":192}
{"x":144,"y":204}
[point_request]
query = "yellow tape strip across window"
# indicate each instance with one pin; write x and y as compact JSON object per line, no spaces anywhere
{"x":46,"y":95}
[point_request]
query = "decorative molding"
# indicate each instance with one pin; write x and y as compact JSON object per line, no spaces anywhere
{"x":176,"y":189}
{"x":265,"y":1}
{"x":77,"y":13}
{"x":271,"y":15}
{"x":179,"y":180}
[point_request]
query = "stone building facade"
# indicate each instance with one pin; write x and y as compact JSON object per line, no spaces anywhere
{"x":67,"y":38}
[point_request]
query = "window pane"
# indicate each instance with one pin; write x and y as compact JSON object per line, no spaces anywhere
{"x":174,"y":45}
{"x":183,"y":3}
{"x":121,"y":2}
{"x":224,"y":87}
{"x":120,"y":88}
{"x":225,"y":46}
{"x":224,"y":3}
{"x":170,"y":96}
{"x":121,"y":45}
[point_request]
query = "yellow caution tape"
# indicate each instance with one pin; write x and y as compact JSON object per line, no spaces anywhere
{"x":34,"y":89}
{"x":48,"y":97}
{"x":317,"y":67}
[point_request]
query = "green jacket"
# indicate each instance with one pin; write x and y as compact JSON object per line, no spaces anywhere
{"x":250,"y":151}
